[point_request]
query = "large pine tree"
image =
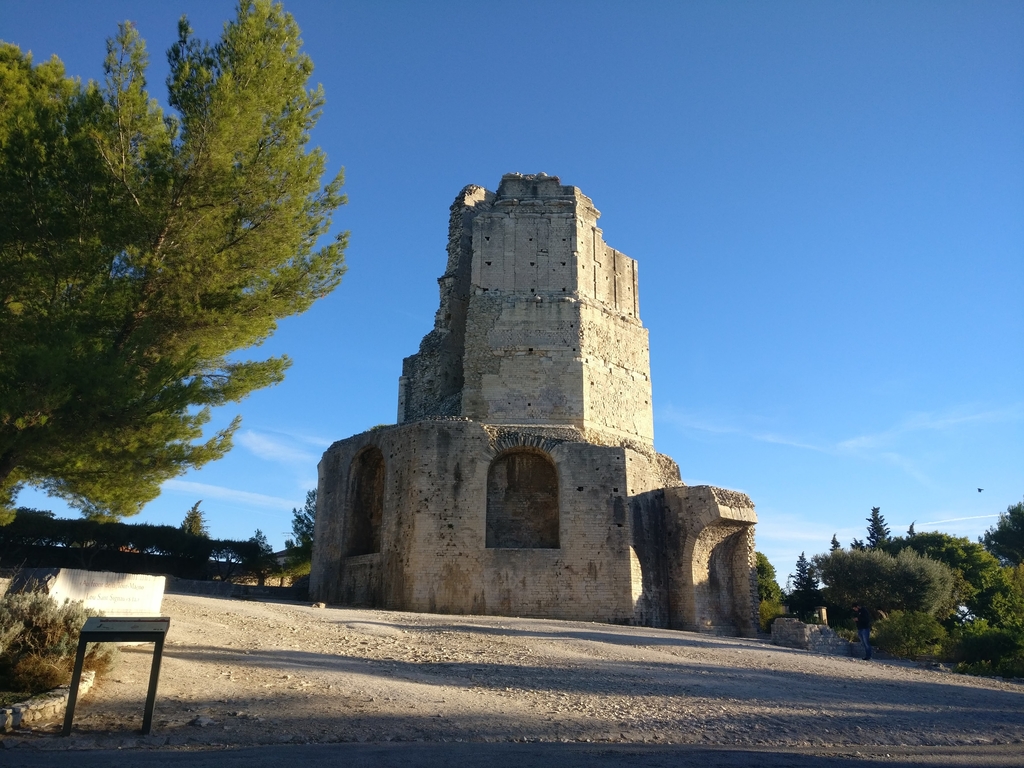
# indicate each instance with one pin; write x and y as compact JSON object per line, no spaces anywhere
{"x":140,"y":251}
{"x":805,"y":594}
{"x":878,"y":531}
{"x":195,"y":522}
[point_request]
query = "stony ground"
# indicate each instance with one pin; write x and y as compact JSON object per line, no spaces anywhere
{"x":244,"y":673}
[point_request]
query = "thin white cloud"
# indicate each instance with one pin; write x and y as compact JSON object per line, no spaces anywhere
{"x":907,"y":466}
{"x":877,"y":445}
{"x":921,"y":422}
{"x":273,"y":449}
{"x":686,"y":420}
{"x":314,"y":440}
{"x":230,"y":494}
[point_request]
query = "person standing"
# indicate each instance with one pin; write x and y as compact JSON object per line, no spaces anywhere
{"x":863,"y":617}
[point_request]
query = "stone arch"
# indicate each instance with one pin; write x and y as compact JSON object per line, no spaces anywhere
{"x":522,"y":501}
{"x":720,"y":556}
{"x":366,"y":508}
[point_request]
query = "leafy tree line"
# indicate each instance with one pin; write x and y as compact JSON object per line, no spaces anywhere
{"x":141,"y":249}
{"x":935,"y":592}
{"x":36,"y":538}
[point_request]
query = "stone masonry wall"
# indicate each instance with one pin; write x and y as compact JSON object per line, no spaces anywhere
{"x":432,"y":379}
{"x":523,"y":362}
{"x":712,"y":575}
{"x":538,"y":320}
{"x":616,"y":370}
{"x":818,"y":638}
{"x":433,"y":555}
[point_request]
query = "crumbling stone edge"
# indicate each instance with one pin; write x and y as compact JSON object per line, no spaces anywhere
{"x":45,"y":706}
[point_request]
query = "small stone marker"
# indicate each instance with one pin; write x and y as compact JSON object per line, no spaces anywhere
{"x":113,"y":629}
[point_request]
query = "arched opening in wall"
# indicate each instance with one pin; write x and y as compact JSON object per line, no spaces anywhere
{"x":724,"y":598}
{"x":367,"y":506}
{"x":522,"y":501}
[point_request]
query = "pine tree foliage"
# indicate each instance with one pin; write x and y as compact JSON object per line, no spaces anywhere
{"x":878,"y":531}
{"x":140,"y":251}
{"x":805,"y":594}
{"x":261,"y":563}
{"x":835,"y":544}
{"x":195,"y":522}
{"x":300,"y":548}
{"x":1005,"y":540}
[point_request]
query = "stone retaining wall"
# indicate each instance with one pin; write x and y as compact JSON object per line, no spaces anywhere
{"x":793,"y":633}
{"x":177,"y":586}
{"x":46,"y":706}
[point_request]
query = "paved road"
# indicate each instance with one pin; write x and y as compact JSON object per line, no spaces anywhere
{"x":474,"y":755}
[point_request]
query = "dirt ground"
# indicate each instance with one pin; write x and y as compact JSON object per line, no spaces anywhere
{"x":249,"y":673}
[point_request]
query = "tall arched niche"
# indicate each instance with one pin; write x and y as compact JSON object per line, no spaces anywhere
{"x":522,"y":501}
{"x":367,"y":503}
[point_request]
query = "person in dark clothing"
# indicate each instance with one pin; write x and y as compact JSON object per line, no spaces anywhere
{"x":863,"y":628}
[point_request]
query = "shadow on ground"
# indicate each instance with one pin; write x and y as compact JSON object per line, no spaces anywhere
{"x":442,"y":755}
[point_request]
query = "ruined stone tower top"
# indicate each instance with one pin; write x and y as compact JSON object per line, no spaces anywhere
{"x":539,"y":320}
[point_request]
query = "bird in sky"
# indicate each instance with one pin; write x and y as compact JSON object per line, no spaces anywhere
{"x":980,"y":490}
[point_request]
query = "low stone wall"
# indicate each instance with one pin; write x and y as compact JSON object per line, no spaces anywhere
{"x":793,"y":633}
{"x":46,"y":706}
{"x":227,"y":589}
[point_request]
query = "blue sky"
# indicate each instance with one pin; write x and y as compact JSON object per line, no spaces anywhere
{"x":826,"y":201}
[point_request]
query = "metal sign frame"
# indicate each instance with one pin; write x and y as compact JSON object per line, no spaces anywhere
{"x":120,"y":629}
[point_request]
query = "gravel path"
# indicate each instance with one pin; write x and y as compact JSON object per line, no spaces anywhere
{"x":245,"y":673}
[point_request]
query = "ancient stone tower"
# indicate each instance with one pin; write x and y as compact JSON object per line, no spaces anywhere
{"x":521,"y":478}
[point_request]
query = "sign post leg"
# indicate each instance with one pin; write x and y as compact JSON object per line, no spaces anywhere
{"x":76,"y":679}
{"x":154,"y":678}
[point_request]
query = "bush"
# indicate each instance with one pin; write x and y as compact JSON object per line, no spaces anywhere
{"x":907,"y":582}
{"x":908,"y":634}
{"x":769,"y":610}
{"x":38,"y":642}
{"x":981,"y":649}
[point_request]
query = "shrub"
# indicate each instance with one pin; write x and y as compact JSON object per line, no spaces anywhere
{"x":907,"y":582}
{"x":769,"y":610}
{"x":984,"y":650}
{"x":38,"y":642}
{"x":908,"y":634}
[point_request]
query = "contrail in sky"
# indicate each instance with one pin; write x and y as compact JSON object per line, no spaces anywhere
{"x":956,"y":519}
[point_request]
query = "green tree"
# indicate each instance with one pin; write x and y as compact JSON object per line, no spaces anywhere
{"x":1005,"y":539}
{"x":769,"y":593}
{"x":878,"y":531}
{"x":907,"y":582}
{"x":195,"y":522}
{"x":805,"y":594}
{"x":978,"y":578}
{"x":767,"y":585}
{"x":260,"y":561}
{"x":299,"y":549}
{"x":139,"y":252}
{"x":835,"y":544}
